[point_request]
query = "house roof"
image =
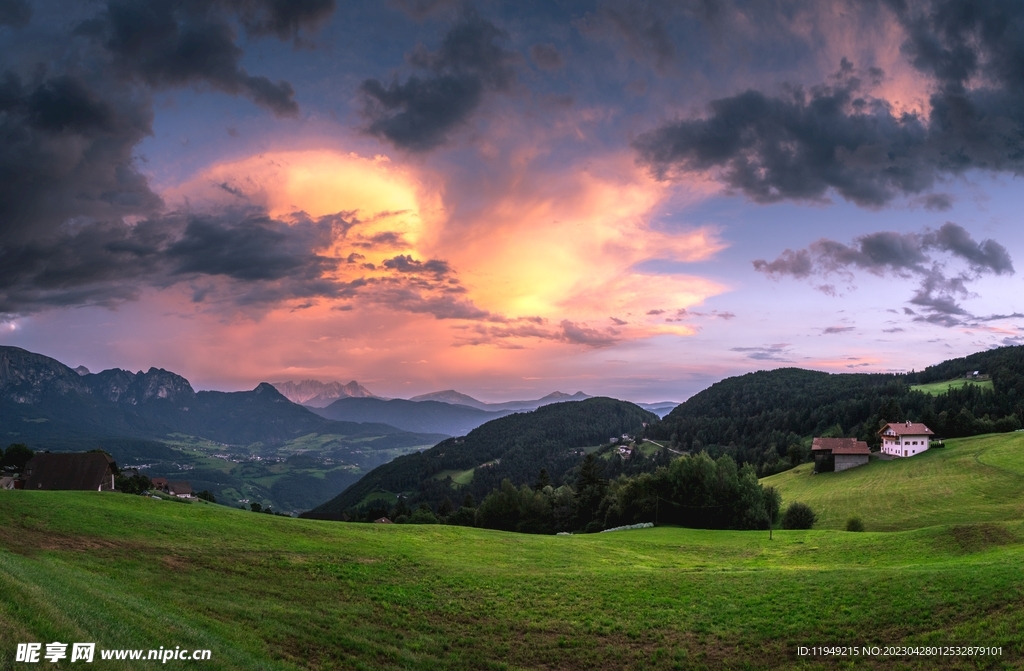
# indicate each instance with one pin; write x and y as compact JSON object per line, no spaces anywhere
{"x":179,"y":487}
{"x":840,"y":446}
{"x":907,"y":429}
{"x":68,"y":470}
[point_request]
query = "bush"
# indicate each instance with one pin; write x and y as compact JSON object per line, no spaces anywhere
{"x":854,"y":524}
{"x":799,"y":516}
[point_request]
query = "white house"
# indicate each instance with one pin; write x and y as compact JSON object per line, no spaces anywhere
{"x":905,"y":439}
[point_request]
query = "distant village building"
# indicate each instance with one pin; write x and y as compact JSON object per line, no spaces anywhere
{"x":905,"y":439}
{"x":70,"y":470}
{"x":182,"y":490}
{"x":382,"y":520}
{"x":160,"y":484}
{"x":839,"y":453}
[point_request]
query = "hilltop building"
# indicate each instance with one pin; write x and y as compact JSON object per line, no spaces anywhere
{"x":905,"y":439}
{"x":70,"y":470}
{"x":839,"y":454}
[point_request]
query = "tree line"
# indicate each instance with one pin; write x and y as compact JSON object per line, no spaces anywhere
{"x":691,"y":490}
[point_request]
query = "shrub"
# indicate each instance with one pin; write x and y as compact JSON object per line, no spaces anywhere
{"x":798,"y":516}
{"x":854,"y":524}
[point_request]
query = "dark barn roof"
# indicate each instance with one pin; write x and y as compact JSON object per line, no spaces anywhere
{"x":69,"y":470}
{"x":178,"y":488}
{"x":840,"y":446}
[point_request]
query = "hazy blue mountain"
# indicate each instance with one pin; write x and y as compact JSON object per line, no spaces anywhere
{"x":457,"y":398}
{"x":421,"y":416}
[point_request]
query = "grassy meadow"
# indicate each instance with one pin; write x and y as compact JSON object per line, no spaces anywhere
{"x":978,"y":479}
{"x":265,"y":592}
{"x":936,"y":388}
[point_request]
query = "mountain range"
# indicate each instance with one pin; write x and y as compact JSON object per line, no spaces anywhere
{"x":224,"y":440}
{"x":316,"y":394}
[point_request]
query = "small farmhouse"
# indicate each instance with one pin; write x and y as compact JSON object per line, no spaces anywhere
{"x":160,"y":484}
{"x":905,"y":439}
{"x":839,"y":454}
{"x":70,"y":470}
{"x":181,"y":489}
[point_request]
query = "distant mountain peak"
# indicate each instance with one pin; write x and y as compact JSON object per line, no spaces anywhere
{"x":82,"y":370}
{"x":321,"y":394}
{"x":562,"y":396}
{"x":450,"y":396}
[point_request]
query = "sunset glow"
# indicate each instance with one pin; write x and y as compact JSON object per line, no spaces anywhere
{"x":632,"y":204}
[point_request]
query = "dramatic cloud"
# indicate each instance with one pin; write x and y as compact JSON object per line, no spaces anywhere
{"x":73,"y":114}
{"x":178,"y":43}
{"x":418,"y":115}
{"x":903,"y":255}
{"x":841,"y":137}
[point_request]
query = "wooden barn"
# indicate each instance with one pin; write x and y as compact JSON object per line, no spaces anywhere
{"x":839,"y":454}
{"x":70,"y":470}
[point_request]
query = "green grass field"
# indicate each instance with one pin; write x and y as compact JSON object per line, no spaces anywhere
{"x":936,"y":388}
{"x":266,"y":592}
{"x":970,"y":480}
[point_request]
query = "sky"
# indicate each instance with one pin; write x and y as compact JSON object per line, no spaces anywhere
{"x":626,"y":198}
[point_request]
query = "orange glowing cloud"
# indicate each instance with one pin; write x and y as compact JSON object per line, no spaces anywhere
{"x":551,"y":258}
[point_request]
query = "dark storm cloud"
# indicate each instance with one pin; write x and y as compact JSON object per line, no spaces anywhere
{"x":66,"y":147}
{"x":179,"y":43}
{"x":404,"y":263}
{"x":837,"y":137}
{"x":640,"y":25}
{"x":421,"y":9}
{"x":15,"y":13}
{"x":267,"y":260}
{"x":283,"y":18}
{"x":254,"y":249}
{"x":71,"y":117}
{"x":546,"y":57}
{"x":904,"y":255}
{"x":418,"y":115}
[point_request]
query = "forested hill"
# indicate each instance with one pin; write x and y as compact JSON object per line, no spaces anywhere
{"x":515,"y":447}
{"x":767,"y":418}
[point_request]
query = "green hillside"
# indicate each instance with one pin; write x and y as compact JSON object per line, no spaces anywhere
{"x":974,"y":479}
{"x":768,"y":418}
{"x":264,"y":592}
{"x":552,"y":437}
{"x":936,"y":388}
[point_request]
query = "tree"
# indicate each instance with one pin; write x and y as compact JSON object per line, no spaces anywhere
{"x":16,"y":456}
{"x":854,"y":524}
{"x":445,"y":508}
{"x":590,"y":489}
{"x":799,"y":516}
{"x":256,"y":507}
{"x":135,"y":484}
{"x":207,"y":495}
{"x":772,"y":506}
{"x":543,"y":480}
